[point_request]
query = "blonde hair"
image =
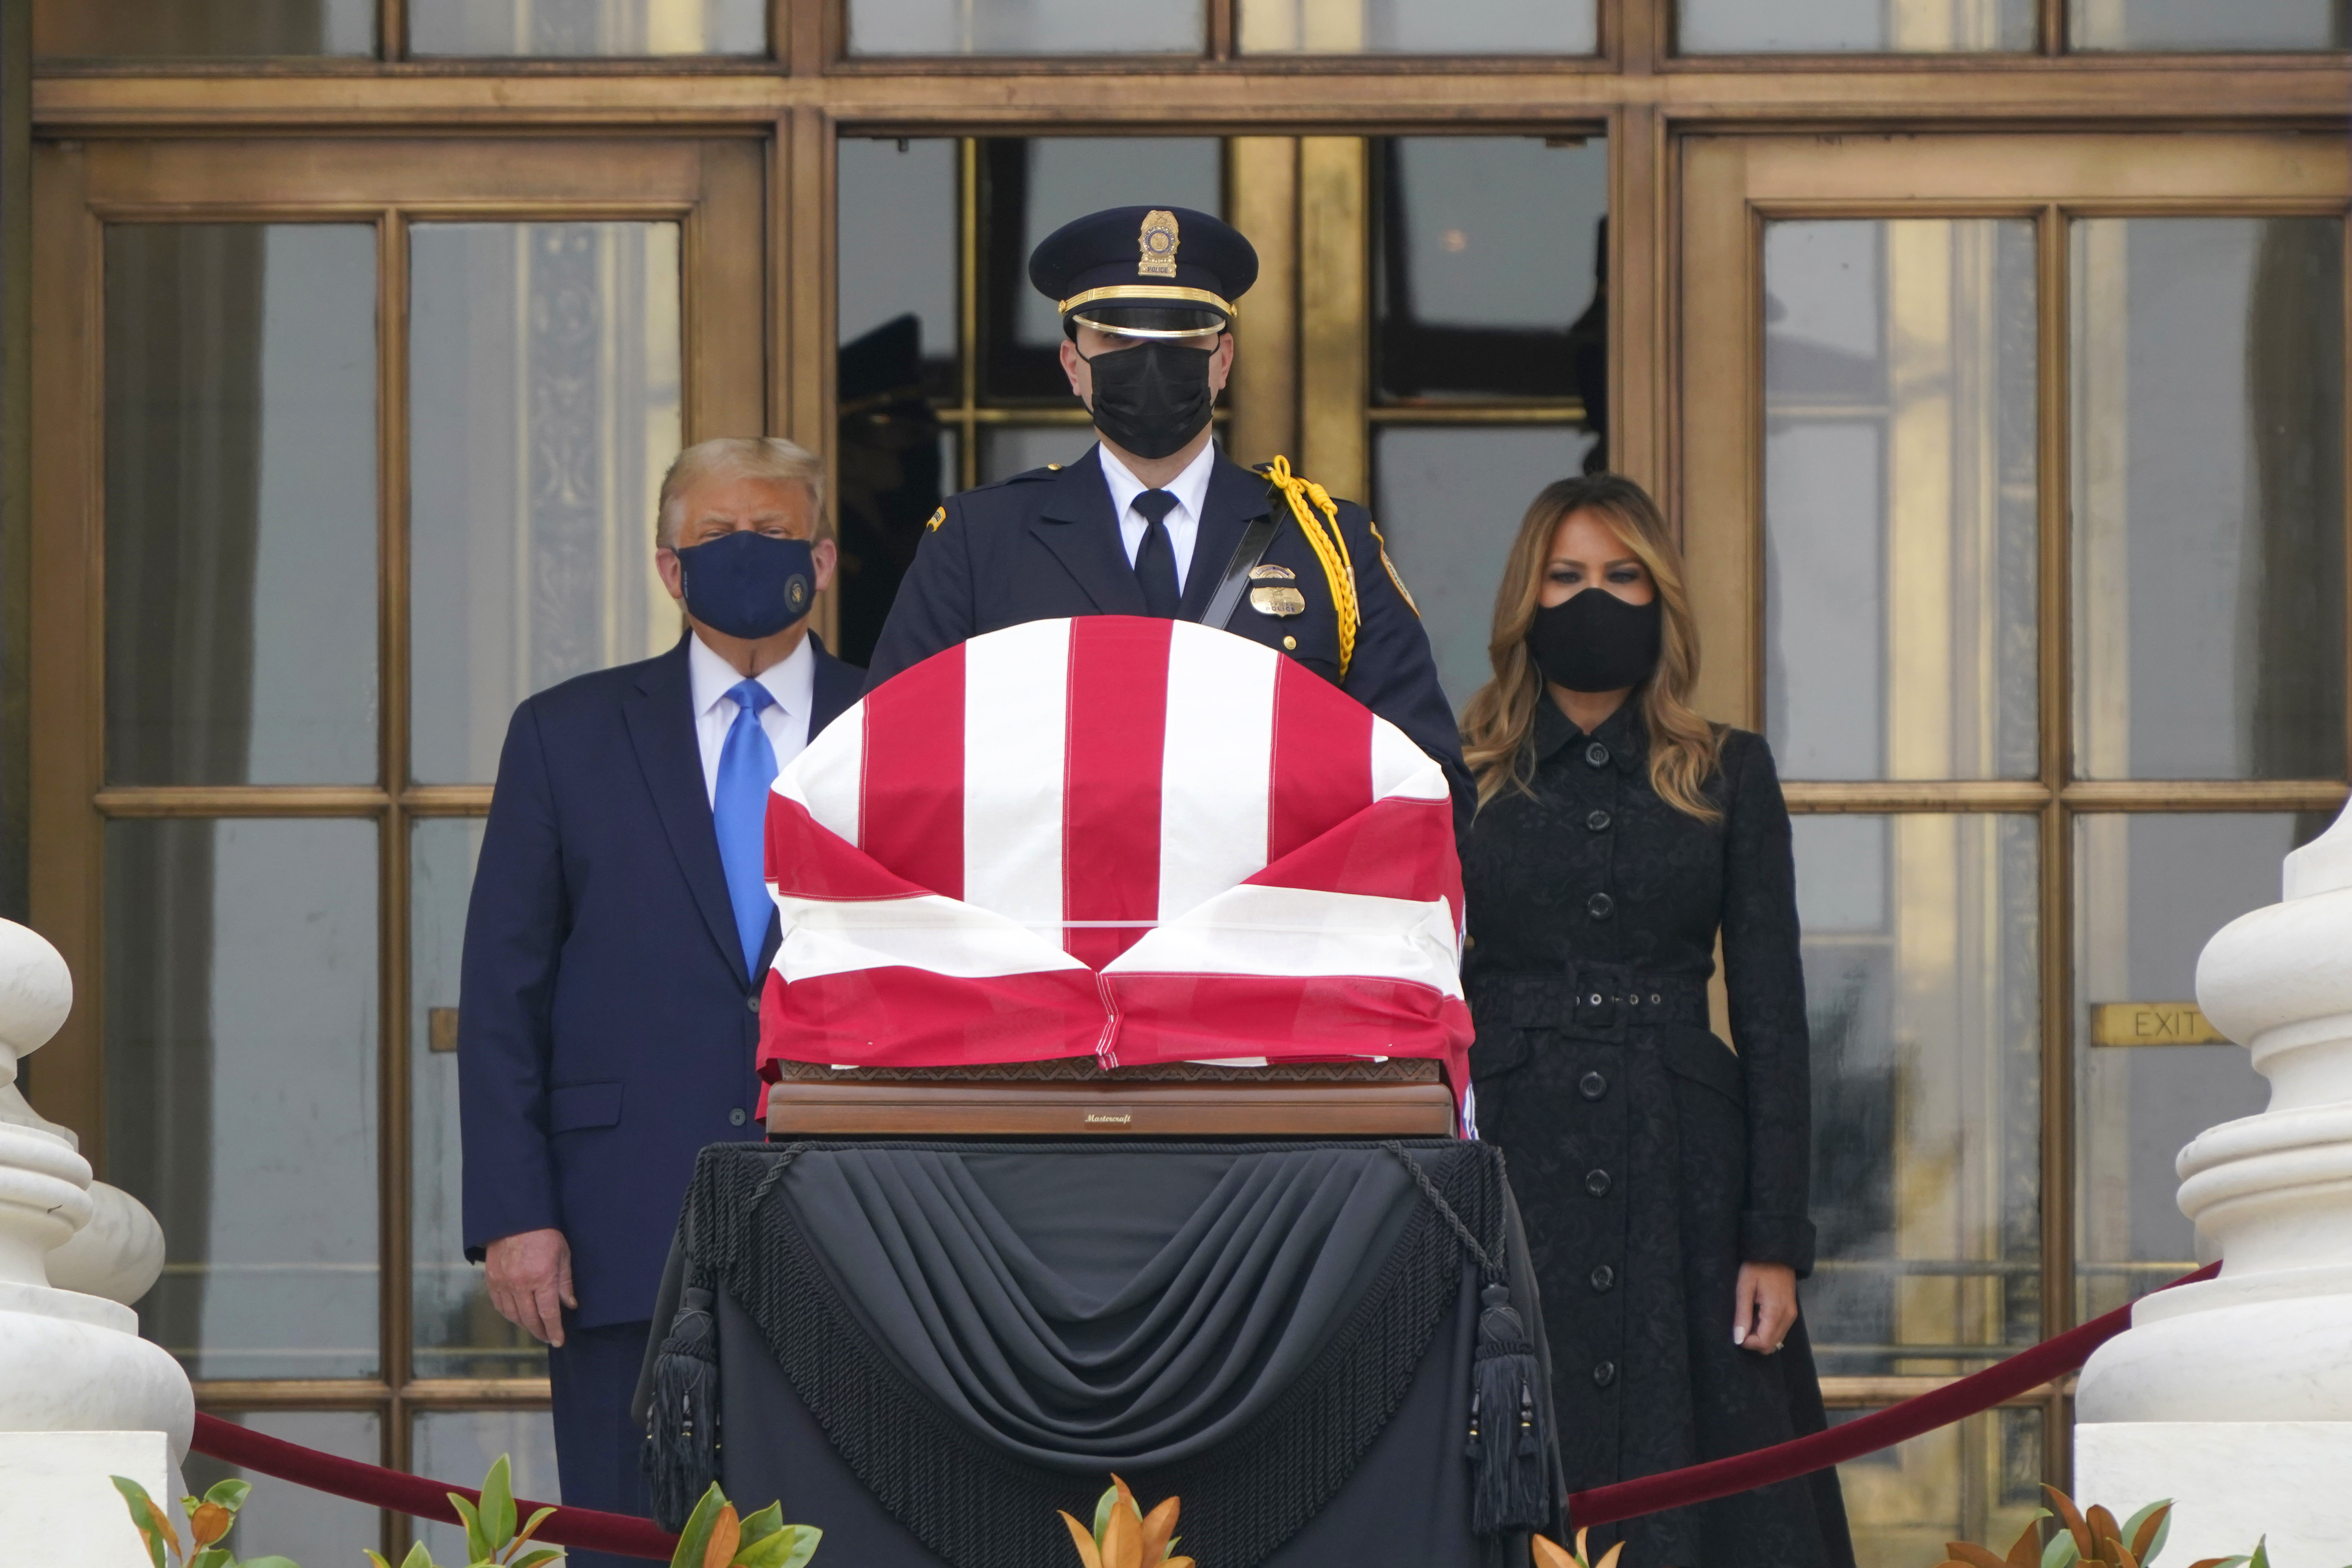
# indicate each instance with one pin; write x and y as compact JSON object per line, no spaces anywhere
{"x":1501,"y":716}
{"x":769,"y":457}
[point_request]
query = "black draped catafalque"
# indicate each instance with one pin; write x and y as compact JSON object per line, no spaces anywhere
{"x":1649,"y":1158}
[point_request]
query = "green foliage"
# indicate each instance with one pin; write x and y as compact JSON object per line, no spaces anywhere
{"x":716,"y":1537}
{"x":209,"y":1519}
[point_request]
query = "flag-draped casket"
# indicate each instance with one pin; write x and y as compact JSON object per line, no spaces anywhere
{"x":1137,"y":839}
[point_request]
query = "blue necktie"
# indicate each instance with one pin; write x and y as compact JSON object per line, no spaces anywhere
{"x":747,"y":766}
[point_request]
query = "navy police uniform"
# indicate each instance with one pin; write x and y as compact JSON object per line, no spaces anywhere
{"x":1047,"y":543}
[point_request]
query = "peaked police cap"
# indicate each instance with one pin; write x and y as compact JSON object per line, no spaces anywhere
{"x":1160,"y":258}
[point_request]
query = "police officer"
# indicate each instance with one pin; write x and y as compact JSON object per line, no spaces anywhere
{"x":1154,"y":520}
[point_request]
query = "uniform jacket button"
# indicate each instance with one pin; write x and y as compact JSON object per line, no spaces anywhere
{"x":1604,"y":1372}
{"x":1592,"y":1086}
{"x":1597,"y":822}
{"x":735,"y":1118}
{"x":1596,"y":755}
{"x":1604,"y":1277}
{"x":1599,"y":906}
{"x":1597,"y":1183}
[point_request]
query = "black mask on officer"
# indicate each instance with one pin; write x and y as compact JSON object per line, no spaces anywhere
{"x":1151,"y":400}
{"x":1595,"y":641}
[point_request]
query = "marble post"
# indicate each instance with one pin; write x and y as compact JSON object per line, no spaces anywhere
{"x":82,"y":1396}
{"x":2233,"y":1397}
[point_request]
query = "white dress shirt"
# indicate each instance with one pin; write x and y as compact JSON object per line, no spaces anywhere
{"x":793,"y":684}
{"x":1190,"y":488}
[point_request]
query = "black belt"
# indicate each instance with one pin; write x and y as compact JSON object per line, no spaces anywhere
{"x":1597,"y":1001}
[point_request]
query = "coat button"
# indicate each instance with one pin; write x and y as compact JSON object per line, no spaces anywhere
{"x":751,"y":1003}
{"x":1604,"y":1372}
{"x":1599,"y":906}
{"x":735,"y":1118}
{"x":1592,"y":1086}
{"x":1596,"y":755}
{"x":1604,"y":1277}
{"x":1597,"y":822}
{"x":1597,"y":1183}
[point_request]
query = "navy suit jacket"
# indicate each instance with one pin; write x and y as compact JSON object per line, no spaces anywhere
{"x":1047,"y":543}
{"x":607,"y":1028}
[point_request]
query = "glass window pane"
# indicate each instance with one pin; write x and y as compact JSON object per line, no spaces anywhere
{"x":1009,"y":449}
{"x":1026,"y":28}
{"x":1922,"y":982}
{"x":241,"y":1086}
{"x":459,"y":1447}
{"x":1418,"y":27}
{"x":202,"y":29}
{"x":901,"y":251}
{"x":1029,"y":188}
{"x":1830,"y":26}
{"x":1449,"y":500}
{"x":293,"y":1521}
{"x":1979,"y":1480}
{"x":2149,"y":892}
{"x":544,"y":410}
{"x":240,"y":504}
{"x":2202,"y":25}
{"x":459,"y":1332}
{"x":1899,"y":500}
{"x":2209,"y":497}
{"x":1489,"y":269}
{"x":584,"y":27}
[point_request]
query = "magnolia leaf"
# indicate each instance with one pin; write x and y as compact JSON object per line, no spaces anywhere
{"x":417,"y":1556}
{"x":1102,"y":1511}
{"x":2261,"y":1557}
{"x":497,"y":1504}
{"x":208,"y":1522}
{"x":2060,"y":1552}
{"x":2072,"y":1519}
{"x":1609,"y":1558}
{"x":478,"y":1544}
{"x":1080,"y":1537}
{"x":1973,"y":1555}
{"x":376,"y":1558}
{"x":726,"y":1535}
{"x":2238,"y":1561}
{"x":278,"y":1562}
{"x":1550,"y":1553}
{"x":2101,"y":1523}
{"x":697,"y":1533}
{"x":1160,"y":1531}
{"x":1122,"y":1541}
{"x":1178,"y":1563}
{"x":144,"y":1519}
{"x":2145,"y":1532}
{"x":537,"y":1556}
{"x":786,"y":1546}
{"x":212,"y":1557}
{"x":229,"y":1494}
{"x":2025,"y":1551}
{"x":531,"y":1528}
{"x":760,"y":1526}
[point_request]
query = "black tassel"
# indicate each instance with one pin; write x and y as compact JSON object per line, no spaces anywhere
{"x":680,"y":1458}
{"x":1507,"y":1441}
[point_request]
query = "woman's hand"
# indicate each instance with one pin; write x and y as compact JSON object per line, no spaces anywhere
{"x":1767,"y":1306}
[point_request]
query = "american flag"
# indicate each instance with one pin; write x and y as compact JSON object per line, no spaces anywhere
{"x":1139,"y":839}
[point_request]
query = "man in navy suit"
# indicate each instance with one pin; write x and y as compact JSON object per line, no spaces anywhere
{"x":1154,"y":520}
{"x":619,"y":931}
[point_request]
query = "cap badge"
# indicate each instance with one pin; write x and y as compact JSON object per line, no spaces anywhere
{"x":1158,"y":244}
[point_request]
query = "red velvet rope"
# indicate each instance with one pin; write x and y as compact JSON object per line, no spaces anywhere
{"x":631,"y":1537}
{"x":1881,"y":1429}
{"x":379,"y":1488}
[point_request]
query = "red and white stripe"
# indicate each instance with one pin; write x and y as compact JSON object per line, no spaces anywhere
{"x":1142,"y":839}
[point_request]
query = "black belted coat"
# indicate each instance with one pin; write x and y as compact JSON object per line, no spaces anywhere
{"x":1650,"y":1159}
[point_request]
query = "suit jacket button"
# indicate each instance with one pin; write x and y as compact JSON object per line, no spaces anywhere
{"x":735,"y":1118}
{"x":1597,"y":1183}
{"x":753,"y":1002}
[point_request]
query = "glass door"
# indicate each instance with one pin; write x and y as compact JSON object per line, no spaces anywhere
{"x":345,"y":450}
{"x":2012,"y":475}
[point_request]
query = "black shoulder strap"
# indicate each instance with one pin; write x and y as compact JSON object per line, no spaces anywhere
{"x":1247,"y":555}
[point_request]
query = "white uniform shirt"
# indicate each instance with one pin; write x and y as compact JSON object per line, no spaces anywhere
{"x":793,"y":684}
{"x":1190,"y":488}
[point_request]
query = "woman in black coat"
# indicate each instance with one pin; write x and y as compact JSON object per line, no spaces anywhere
{"x":1661,"y":1173}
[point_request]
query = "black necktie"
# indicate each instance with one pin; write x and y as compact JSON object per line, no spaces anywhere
{"x":1155,"y":558}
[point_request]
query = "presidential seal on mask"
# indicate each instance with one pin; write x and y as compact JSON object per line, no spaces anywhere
{"x":1154,"y":519}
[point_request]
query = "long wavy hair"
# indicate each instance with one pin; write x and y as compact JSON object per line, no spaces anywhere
{"x":1501,"y":716}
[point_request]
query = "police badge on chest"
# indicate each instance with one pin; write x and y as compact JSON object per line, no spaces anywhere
{"x":1272,"y":593}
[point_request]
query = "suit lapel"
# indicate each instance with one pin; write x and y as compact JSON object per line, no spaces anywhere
{"x":838,"y":686}
{"x":661,"y":726}
{"x":1075,"y":523}
{"x":1234,"y":496}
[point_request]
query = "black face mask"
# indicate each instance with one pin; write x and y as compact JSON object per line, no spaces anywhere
{"x":1153,"y":399}
{"x":1596,"y":641}
{"x":748,"y":585}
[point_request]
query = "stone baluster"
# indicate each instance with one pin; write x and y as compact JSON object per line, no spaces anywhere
{"x":82,"y":1396}
{"x":2234,"y":1396}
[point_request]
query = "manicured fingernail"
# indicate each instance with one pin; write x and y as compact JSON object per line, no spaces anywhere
{"x":1738,"y":1336}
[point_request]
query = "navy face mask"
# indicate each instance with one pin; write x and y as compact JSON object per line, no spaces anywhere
{"x":1595,"y":641}
{"x":749,"y":585}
